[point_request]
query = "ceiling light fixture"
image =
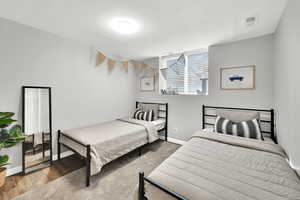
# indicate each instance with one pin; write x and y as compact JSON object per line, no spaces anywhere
{"x":124,"y":26}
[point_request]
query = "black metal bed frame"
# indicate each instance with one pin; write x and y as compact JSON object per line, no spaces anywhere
{"x":143,"y":179}
{"x":87,"y":158}
{"x":141,"y":189}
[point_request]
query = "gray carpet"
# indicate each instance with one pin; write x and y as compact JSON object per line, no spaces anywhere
{"x":116,"y":181}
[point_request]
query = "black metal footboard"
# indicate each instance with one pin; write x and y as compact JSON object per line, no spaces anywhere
{"x":87,"y":158}
{"x":143,"y":179}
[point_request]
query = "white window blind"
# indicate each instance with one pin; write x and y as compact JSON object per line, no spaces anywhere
{"x":189,"y":76}
{"x":175,"y":75}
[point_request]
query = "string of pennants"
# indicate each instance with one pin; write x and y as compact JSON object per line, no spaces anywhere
{"x":141,"y":67}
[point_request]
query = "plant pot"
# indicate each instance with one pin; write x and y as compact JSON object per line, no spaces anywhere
{"x":2,"y":175}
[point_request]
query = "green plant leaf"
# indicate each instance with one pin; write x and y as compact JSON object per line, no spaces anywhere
{"x":6,"y":122}
{"x":16,"y":129}
{"x":9,"y":137}
{"x":4,"y":131}
{"x":3,"y":135}
{"x":12,"y":142}
{"x":4,"y":160}
{"x":6,"y":115}
{"x":9,"y":144}
{"x":4,"y":138}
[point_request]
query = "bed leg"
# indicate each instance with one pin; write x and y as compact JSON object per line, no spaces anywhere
{"x":142,"y":187}
{"x":166,"y":135}
{"x":140,"y":151}
{"x":43,"y":146}
{"x":88,"y":165}
{"x":58,"y":145}
{"x":167,"y":117}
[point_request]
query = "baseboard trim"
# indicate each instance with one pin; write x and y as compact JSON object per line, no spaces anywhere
{"x":296,"y":168}
{"x":174,"y":140}
{"x":63,"y":155}
{"x":14,"y":170}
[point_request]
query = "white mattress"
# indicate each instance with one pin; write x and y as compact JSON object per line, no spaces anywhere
{"x":159,"y":123}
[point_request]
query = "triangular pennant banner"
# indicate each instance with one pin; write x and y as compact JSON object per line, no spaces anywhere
{"x":135,"y":64}
{"x":100,"y":58}
{"x":144,"y":66}
{"x":140,"y":67}
{"x":110,"y":64}
{"x":125,"y":66}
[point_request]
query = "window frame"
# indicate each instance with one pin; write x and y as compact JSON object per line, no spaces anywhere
{"x":165,"y":59}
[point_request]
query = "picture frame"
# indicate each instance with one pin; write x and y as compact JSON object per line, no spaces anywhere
{"x":147,"y":84}
{"x":237,"y":78}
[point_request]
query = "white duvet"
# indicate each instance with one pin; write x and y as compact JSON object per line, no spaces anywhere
{"x":110,"y":140}
{"x":213,"y":166}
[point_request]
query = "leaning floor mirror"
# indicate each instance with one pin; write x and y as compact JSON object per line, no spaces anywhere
{"x":37,"y":126}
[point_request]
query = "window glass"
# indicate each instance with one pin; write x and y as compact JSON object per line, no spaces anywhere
{"x":188,"y":74}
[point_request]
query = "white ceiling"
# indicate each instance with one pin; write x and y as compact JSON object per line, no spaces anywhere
{"x":165,"y":25}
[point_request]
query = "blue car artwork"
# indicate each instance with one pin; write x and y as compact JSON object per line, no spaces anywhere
{"x":236,"y":77}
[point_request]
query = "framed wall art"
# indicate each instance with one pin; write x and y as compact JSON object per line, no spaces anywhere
{"x":147,"y":84}
{"x":237,"y":78}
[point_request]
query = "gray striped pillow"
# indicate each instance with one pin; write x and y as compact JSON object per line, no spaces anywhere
{"x":144,"y":115}
{"x":248,"y":129}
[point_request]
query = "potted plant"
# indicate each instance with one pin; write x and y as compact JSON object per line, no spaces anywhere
{"x":10,"y":135}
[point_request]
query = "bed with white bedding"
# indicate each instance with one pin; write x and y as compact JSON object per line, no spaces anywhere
{"x":102,"y":143}
{"x":214,"y":166}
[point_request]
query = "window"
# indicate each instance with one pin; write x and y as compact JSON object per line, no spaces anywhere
{"x":185,"y":74}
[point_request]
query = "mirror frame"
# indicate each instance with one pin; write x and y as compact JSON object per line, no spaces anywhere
{"x":23,"y":125}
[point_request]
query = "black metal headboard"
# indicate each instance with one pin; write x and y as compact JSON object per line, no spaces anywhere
{"x":162,"y":114}
{"x":271,"y":121}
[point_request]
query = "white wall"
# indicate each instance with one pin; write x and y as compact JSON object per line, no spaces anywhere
{"x":82,"y":94}
{"x":185,"y":111}
{"x":286,"y":80}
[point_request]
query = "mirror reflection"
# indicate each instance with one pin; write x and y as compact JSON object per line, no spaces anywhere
{"x":37,"y":128}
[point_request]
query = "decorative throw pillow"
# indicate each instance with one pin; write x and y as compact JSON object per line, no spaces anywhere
{"x":144,"y":115}
{"x":146,"y":107}
{"x":247,"y":129}
{"x":138,"y":113}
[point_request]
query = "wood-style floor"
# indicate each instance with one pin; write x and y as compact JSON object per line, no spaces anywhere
{"x":19,"y":184}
